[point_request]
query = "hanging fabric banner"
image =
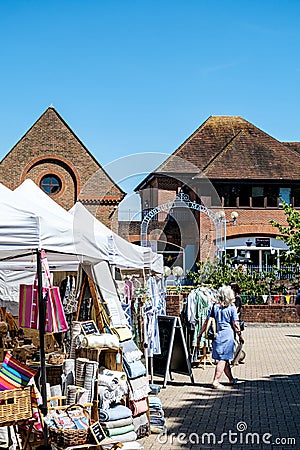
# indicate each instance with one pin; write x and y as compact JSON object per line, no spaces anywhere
{"x":28,"y":304}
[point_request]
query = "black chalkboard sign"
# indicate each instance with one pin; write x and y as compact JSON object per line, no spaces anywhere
{"x":174,"y":355}
{"x":97,"y":432}
{"x":89,"y":327}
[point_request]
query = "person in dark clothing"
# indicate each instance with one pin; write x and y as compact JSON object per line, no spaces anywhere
{"x":238,"y":299}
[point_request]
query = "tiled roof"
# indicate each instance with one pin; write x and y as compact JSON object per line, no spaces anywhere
{"x":230,"y":147}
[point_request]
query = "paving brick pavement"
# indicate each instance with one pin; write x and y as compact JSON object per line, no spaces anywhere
{"x":262,"y":412}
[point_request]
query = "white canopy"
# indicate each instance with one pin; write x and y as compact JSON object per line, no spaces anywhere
{"x":123,"y":254}
{"x":29,"y":222}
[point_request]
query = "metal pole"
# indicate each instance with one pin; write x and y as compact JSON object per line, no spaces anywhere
{"x":225,"y":231}
{"x":42,"y":318}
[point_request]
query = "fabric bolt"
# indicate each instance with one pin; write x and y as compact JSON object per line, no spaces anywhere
{"x":138,"y":407}
{"x":14,"y":374}
{"x":134,"y":369}
{"x":119,"y":430}
{"x":114,"y":413}
{"x":223,"y":344}
{"x":117,"y":423}
{"x":138,"y":388}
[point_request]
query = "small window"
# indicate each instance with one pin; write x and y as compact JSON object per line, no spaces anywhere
{"x":285,"y":195}
{"x":50,"y":184}
{"x":257,"y":196}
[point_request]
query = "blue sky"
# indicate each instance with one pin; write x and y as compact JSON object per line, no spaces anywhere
{"x":140,"y":76}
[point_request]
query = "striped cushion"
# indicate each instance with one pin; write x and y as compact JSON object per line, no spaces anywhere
{"x":14,"y":374}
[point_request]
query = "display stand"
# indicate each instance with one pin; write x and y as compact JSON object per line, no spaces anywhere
{"x":174,"y":355}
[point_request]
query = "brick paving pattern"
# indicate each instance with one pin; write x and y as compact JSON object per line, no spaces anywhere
{"x":262,"y":412}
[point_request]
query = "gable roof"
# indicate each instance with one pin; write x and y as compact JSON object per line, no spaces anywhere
{"x":231,"y":147}
{"x":50,"y":136}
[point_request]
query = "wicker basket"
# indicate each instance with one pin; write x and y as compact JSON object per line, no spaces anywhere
{"x":15,"y":405}
{"x":66,"y":438}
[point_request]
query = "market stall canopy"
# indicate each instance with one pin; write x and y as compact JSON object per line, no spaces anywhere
{"x":123,"y":254}
{"x":29,"y":222}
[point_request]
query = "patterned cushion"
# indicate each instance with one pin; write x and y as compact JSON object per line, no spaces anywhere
{"x":14,"y":374}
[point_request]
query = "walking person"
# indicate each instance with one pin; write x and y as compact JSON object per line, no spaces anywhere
{"x":227,"y":324}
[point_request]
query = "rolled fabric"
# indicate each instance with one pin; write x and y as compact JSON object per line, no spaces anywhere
{"x":115,"y":413}
{"x":110,"y":382}
{"x":138,"y":407}
{"x":104,"y":340}
{"x":105,"y":397}
{"x":117,"y":423}
{"x":120,"y":430}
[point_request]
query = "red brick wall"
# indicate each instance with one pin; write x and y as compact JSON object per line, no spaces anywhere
{"x":270,"y":313}
{"x":251,"y":313}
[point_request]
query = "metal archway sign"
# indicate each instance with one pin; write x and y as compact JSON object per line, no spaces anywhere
{"x":182,"y":200}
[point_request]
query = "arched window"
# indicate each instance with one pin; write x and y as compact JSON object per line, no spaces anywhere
{"x":50,"y":184}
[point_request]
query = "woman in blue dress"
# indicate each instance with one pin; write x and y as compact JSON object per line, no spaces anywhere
{"x":227,"y":324}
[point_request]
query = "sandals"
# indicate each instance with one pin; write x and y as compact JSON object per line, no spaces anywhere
{"x":234,"y":381}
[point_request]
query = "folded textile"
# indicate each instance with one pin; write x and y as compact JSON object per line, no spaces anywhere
{"x":138,"y":388}
{"x":157,"y":413}
{"x":127,"y":437}
{"x":158,"y":430}
{"x":104,"y":340}
{"x":155,"y":403}
{"x":115,"y":413}
{"x":134,"y":369}
{"x":110,"y":382}
{"x":138,"y":407}
{"x":117,"y":423}
{"x":119,"y":430}
{"x":130,"y":351}
{"x":123,"y":333}
{"x":142,"y":419}
{"x":157,"y":421}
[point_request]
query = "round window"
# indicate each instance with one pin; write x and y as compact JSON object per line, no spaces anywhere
{"x":50,"y":184}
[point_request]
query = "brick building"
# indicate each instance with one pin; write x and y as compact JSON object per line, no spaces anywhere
{"x":229,"y":178}
{"x":53,"y":157}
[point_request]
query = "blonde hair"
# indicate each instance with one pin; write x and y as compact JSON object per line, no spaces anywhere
{"x":226,"y":295}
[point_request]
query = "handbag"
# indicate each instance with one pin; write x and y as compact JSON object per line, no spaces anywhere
{"x":29,"y":306}
{"x":211,"y":327}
